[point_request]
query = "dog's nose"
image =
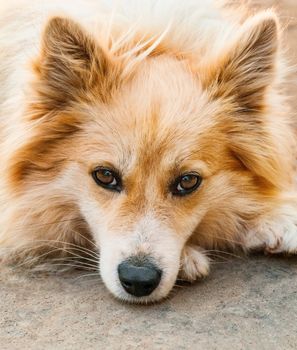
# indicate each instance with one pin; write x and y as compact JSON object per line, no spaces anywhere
{"x":141,"y":280}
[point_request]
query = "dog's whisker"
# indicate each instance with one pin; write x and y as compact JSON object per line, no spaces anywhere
{"x":85,"y":238}
{"x":89,"y":275}
{"x":51,"y":223}
{"x":75,"y":260}
{"x":95,"y":262}
{"x":73,"y":246}
{"x":33,"y":259}
{"x":216,"y":257}
{"x":228,"y":240}
{"x":84,"y":267}
{"x":225,"y":253}
{"x":32,"y":244}
{"x":219,"y":262}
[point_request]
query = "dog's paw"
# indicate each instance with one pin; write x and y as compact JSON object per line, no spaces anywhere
{"x":284,"y":241}
{"x":275,"y":237}
{"x":194,"y":263}
{"x":274,"y":245}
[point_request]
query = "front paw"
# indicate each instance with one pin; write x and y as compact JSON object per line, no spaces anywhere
{"x":284,"y":241}
{"x":274,"y":237}
{"x":194,"y":263}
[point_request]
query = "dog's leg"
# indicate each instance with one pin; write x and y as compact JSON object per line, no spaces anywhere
{"x":194,"y":263}
{"x":275,"y":234}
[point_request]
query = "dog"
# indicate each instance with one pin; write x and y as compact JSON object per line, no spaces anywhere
{"x":153,"y":132}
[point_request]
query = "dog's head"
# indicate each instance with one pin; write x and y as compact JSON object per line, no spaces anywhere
{"x":152,"y":155}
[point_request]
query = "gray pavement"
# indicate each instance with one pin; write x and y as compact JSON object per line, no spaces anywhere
{"x":244,"y":304}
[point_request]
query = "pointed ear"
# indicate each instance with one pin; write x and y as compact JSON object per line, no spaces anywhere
{"x":247,"y":67}
{"x":241,"y":79}
{"x":71,"y":64}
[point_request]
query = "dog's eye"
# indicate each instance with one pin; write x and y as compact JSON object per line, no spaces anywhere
{"x":186,"y":184}
{"x":107,"y":178}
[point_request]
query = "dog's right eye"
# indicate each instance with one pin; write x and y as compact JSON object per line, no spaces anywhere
{"x":107,"y":178}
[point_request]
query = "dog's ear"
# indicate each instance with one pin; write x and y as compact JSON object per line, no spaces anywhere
{"x":71,"y":64}
{"x":246,"y":67}
{"x":242,"y":79}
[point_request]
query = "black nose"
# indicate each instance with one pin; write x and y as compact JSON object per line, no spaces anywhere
{"x":138,"y":280}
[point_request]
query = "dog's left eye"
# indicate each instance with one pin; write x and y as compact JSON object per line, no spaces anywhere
{"x":186,"y":184}
{"x":107,"y":178}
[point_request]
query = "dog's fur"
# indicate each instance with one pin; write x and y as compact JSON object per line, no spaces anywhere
{"x":152,"y":88}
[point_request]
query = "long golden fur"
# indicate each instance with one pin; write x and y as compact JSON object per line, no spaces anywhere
{"x":151,"y":94}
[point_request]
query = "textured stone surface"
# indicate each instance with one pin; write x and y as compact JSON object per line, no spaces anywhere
{"x":244,"y":304}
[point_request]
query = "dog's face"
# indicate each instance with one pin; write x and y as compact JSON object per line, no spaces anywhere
{"x":147,"y":173}
{"x":153,"y":156}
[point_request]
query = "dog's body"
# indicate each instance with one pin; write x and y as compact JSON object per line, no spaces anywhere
{"x":179,"y":106}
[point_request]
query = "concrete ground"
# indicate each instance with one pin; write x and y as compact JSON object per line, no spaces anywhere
{"x":244,"y":304}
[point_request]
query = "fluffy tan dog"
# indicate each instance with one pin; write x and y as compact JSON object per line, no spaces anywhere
{"x":152,"y":130}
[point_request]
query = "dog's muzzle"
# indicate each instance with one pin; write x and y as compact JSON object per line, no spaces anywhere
{"x":139,"y":278}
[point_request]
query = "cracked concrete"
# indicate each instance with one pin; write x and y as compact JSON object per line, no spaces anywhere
{"x":244,"y":304}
